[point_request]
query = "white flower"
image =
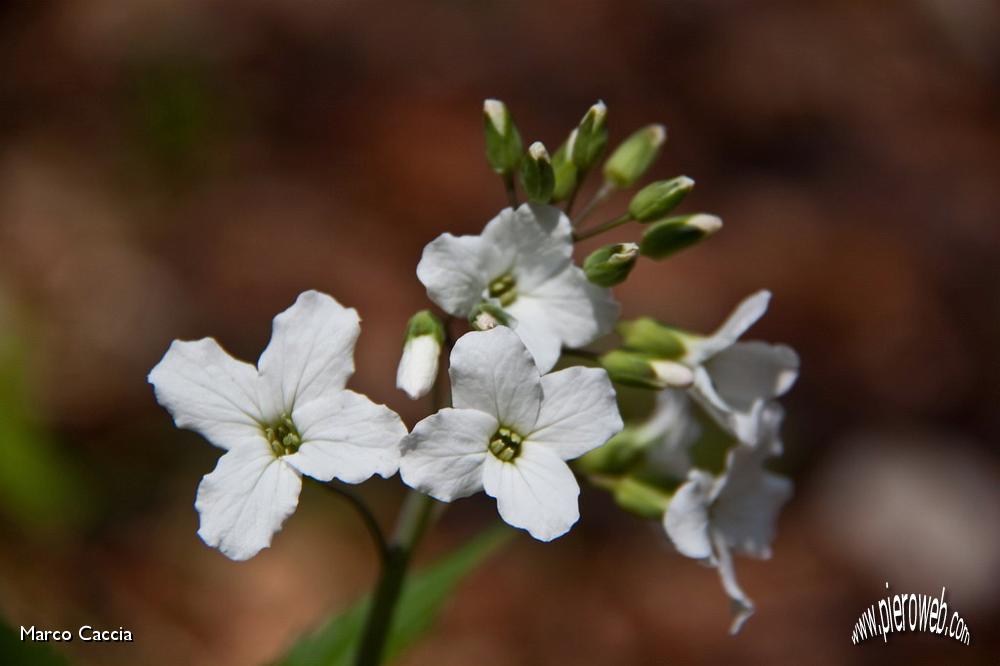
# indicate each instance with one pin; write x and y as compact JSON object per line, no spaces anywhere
{"x":418,"y":367}
{"x":288,"y":416}
{"x":522,"y":261}
{"x":710,"y":517}
{"x":510,"y":432}
{"x":670,"y":430}
{"x":733,"y":380}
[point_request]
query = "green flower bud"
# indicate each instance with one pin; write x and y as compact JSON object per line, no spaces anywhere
{"x":641,"y":498}
{"x":616,"y":456}
{"x":644,"y":371}
{"x":657,"y":199}
{"x":537,"y":176}
{"x":634,"y":156}
{"x":590,"y":138}
{"x":486,"y":315}
{"x":668,"y":236}
{"x":418,"y":367}
{"x":425,"y":323}
{"x":565,"y":172}
{"x":648,"y":336}
{"x":503,"y":142}
{"x":611,"y":264}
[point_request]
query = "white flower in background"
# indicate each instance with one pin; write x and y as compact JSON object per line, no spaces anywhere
{"x":709,"y":517}
{"x":523,"y":262}
{"x":671,"y":430}
{"x":418,"y":368}
{"x":286,"y":417}
{"x":510,"y":432}
{"x":734,"y":381}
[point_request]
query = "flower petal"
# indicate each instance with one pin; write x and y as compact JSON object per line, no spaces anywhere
{"x":576,"y":310}
{"x":245,"y":500}
{"x":686,"y":519}
{"x":740,"y":604}
{"x":493,"y":372}
{"x":672,"y":429}
{"x":748,"y":502}
{"x":743,"y":317}
{"x":533,"y":329}
{"x":443,"y":455}
{"x":535,"y":241}
{"x":751,"y":371}
{"x":209,"y":391}
{"x":418,"y":367}
{"x":347,"y":437}
{"x":311,"y":352}
{"x":456,"y":271}
{"x":579,"y":412}
{"x":536,"y":491}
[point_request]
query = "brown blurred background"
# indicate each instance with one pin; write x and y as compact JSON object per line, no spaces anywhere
{"x":183,"y":168}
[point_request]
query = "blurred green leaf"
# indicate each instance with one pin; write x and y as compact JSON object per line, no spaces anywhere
{"x":422,"y":599}
{"x":16,"y":652}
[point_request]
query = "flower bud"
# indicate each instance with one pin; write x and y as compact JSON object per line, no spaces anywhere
{"x":503,"y":142}
{"x":643,"y":371}
{"x":564,"y":170}
{"x":641,"y":498}
{"x":668,"y":236}
{"x":634,"y":156}
{"x":418,"y":368}
{"x":537,"y":177}
{"x":657,"y":199}
{"x":611,"y":264}
{"x":486,"y":315}
{"x":591,"y":137}
{"x":648,"y":336}
{"x":616,"y":456}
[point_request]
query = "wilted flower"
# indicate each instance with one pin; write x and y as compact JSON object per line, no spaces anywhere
{"x":510,"y":432}
{"x":523,"y":262}
{"x":289,"y":416}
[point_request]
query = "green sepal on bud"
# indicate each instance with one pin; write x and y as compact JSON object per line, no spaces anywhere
{"x":648,"y":336}
{"x":486,"y":316}
{"x":589,"y":138}
{"x":645,"y":371}
{"x":633,"y":157}
{"x":657,"y":199}
{"x":641,"y":498}
{"x":425,"y":322}
{"x":617,"y":456}
{"x":664,"y":238}
{"x":565,"y":172}
{"x":611,"y":264}
{"x":503,"y":142}
{"x":537,"y":176}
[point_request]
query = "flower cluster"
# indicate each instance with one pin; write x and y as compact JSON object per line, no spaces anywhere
{"x":520,"y":306}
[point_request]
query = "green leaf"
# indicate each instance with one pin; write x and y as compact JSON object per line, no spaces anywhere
{"x":423,"y":597}
{"x":26,"y":653}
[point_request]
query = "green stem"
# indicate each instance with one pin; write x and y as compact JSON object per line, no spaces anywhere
{"x":508,"y":184}
{"x":367,"y":517}
{"x":601,"y":228}
{"x":599,"y":197}
{"x":416,"y":515}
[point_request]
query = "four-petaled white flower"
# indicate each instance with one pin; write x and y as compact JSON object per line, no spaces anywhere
{"x":523,"y":262}
{"x":735,"y":381}
{"x":289,"y":416}
{"x":710,"y":517}
{"x":510,"y":431}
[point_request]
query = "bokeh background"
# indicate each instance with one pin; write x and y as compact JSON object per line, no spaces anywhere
{"x":182,"y":168}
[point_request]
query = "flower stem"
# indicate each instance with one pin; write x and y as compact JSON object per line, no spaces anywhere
{"x":367,"y":517}
{"x":508,"y":184}
{"x":416,"y":515}
{"x":599,"y":197}
{"x":601,"y":228}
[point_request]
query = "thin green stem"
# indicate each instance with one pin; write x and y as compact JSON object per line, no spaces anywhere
{"x":599,"y":197}
{"x":508,"y":184}
{"x":367,"y":517}
{"x":601,"y":228}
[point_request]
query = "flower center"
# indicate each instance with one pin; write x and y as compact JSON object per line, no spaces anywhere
{"x":505,"y":444}
{"x":283,"y":436}
{"x":504,"y":288}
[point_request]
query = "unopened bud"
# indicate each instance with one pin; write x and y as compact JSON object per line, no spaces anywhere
{"x":641,"y":498}
{"x":616,"y":456}
{"x":611,"y":264}
{"x":657,"y":199}
{"x":663,"y":238}
{"x":648,"y":336}
{"x":486,"y":316}
{"x":503,"y":142}
{"x":537,"y":177}
{"x":634,"y":156}
{"x":564,"y":170}
{"x":643,"y":371}
{"x":591,"y":137}
{"x":418,"y":368}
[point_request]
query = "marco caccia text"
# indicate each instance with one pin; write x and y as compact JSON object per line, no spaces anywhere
{"x":85,"y":633}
